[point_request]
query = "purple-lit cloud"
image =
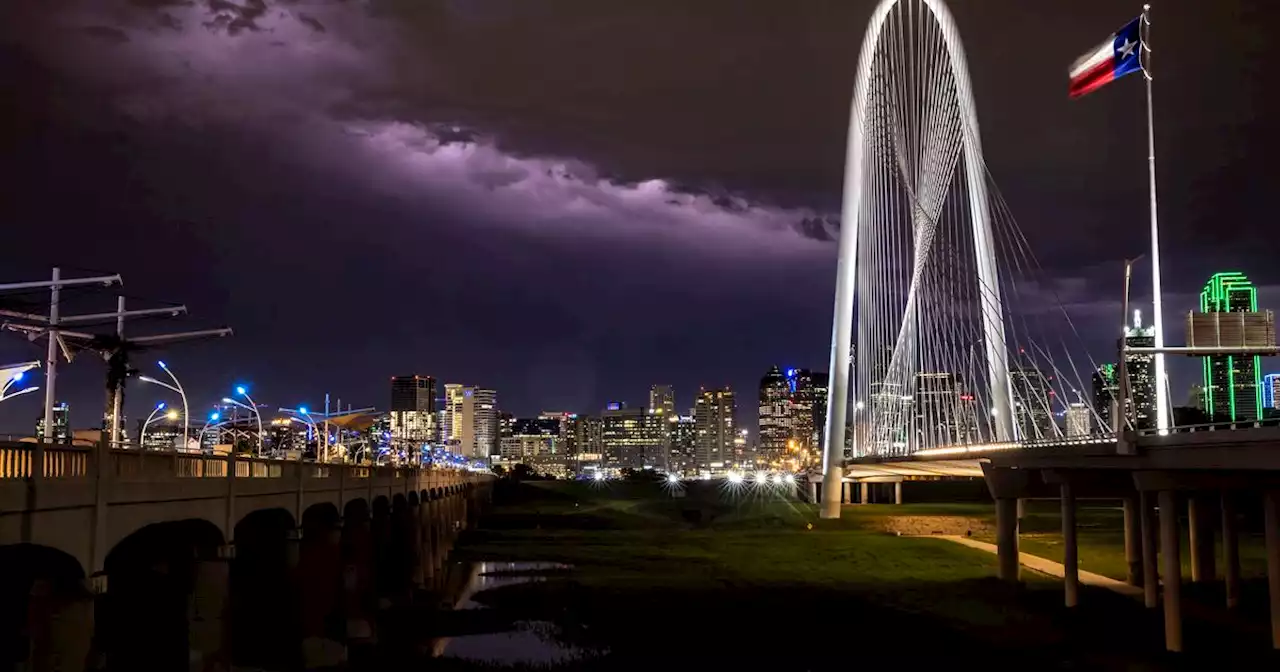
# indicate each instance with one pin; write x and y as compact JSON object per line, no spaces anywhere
{"x":324,"y":83}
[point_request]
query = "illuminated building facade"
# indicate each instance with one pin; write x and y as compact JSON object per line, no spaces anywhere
{"x":1106,"y":389}
{"x":633,"y":438}
{"x":1142,"y":372}
{"x":470,"y":426}
{"x":1032,"y":402}
{"x":1079,"y":420}
{"x":1232,"y":385}
{"x":413,"y":411}
{"x":792,"y":414}
{"x":775,"y":420}
{"x":1271,"y":392}
{"x":662,"y":400}
{"x":61,"y":423}
{"x":684,"y":442}
{"x":713,"y":417}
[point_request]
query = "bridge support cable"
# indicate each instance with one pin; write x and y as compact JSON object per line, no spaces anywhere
{"x":947,"y":330}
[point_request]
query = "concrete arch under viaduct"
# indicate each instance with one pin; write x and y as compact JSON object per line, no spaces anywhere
{"x":143,"y":560}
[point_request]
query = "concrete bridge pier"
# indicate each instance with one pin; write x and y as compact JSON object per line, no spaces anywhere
{"x":1171,"y":569}
{"x":1200,"y":522}
{"x":320,"y":571}
{"x":358,"y":601}
{"x":209,"y":638}
{"x":265,"y":622}
{"x":1230,"y":550}
{"x":380,"y":537}
{"x":59,"y":618}
{"x":414,"y":524}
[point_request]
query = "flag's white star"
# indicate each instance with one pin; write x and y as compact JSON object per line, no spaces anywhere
{"x":1127,"y":48}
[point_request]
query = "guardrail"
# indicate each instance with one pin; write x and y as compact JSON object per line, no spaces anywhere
{"x":67,"y":462}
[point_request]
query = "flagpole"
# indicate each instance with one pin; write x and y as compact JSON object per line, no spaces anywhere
{"x":1162,"y":393}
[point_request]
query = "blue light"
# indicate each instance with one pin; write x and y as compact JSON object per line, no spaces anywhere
{"x":240,"y":390}
{"x":159,"y":405}
{"x":213,"y":417}
{"x":162,"y":364}
{"x":302,"y":410}
{"x":19,"y":375}
{"x":791,"y":373}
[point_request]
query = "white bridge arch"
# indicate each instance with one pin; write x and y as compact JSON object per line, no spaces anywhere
{"x":921,"y":143}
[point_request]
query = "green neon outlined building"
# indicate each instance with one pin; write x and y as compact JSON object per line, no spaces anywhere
{"x":1232,"y":384}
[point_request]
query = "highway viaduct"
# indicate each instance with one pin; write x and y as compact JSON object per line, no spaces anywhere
{"x":1200,"y":474}
{"x":130,"y":560}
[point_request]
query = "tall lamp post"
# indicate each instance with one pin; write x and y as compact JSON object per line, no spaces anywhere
{"x":301,"y":415}
{"x":213,"y":422}
{"x":252,"y":408}
{"x":170,"y":415}
{"x":176,"y":387}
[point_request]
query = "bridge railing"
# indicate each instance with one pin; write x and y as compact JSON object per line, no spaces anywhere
{"x":60,"y":461}
{"x":63,"y":461}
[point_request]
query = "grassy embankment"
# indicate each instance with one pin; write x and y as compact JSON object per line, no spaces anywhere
{"x":745,"y":578}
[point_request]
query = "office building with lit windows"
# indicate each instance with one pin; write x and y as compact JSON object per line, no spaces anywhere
{"x":1106,"y":389}
{"x":469,"y":425}
{"x":61,"y":423}
{"x":1271,"y":392}
{"x":1232,"y":384}
{"x":634,"y":438}
{"x":1142,"y":372}
{"x":413,"y":411}
{"x":662,"y":400}
{"x":775,"y":420}
{"x":714,"y":421}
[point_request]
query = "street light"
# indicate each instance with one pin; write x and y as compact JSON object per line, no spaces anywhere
{"x":176,"y":387}
{"x":305,"y":418}
{"x":170,"y":415}
{"x":213,"y":422}
{"x":253,"y":408}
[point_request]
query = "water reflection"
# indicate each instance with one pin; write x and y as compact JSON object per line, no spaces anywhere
{"x":523,"y":642}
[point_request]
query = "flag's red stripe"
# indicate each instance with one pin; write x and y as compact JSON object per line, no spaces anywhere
{"x":1094,"y":78}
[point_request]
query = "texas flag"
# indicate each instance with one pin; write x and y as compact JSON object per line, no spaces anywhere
{"x":1109,"y":61}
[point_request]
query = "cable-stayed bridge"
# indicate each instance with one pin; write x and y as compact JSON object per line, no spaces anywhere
{"x":950,"y":331}
{"x":952,"y":355}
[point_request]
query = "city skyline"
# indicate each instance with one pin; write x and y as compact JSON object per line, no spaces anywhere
{"x":739,"y":229}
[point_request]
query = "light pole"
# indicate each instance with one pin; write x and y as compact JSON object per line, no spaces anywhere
{"x":175,"y":387}
{"x":16,"y":378}
{"x":304,"y":417}
{"x":213,"y":422}
{"x":251,"y":407}
{"x":170,"y":415}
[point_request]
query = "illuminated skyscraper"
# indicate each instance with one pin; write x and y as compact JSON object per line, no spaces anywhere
{"x":1232,"y":385}
{"x":713,"y":417}
{"x":1271,"y":392}
{"x":775,"y":414}
{"x":1106,"y":389}
{"x":1142,"y":372}
{"x":662,"y":400}
{"x":1079,"y":419}
{"x":413,"y":410}
{"x":634,"y":438}
{"x":1033,"y":399}
{"x":61,"y":423}
{"x":470,"y":426}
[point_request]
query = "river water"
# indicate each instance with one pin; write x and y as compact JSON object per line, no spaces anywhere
{"x":522,"y":642}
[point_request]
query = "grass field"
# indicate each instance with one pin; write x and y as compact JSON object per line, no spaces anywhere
{"x":748,"y":579}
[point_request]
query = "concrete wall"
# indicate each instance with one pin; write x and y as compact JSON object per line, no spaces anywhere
{"x":177,"y":542}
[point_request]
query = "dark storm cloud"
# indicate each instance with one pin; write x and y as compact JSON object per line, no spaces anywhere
{"x":305,"y":88}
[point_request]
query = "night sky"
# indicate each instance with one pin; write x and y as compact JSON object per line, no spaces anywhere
{"x":570,"y":200}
